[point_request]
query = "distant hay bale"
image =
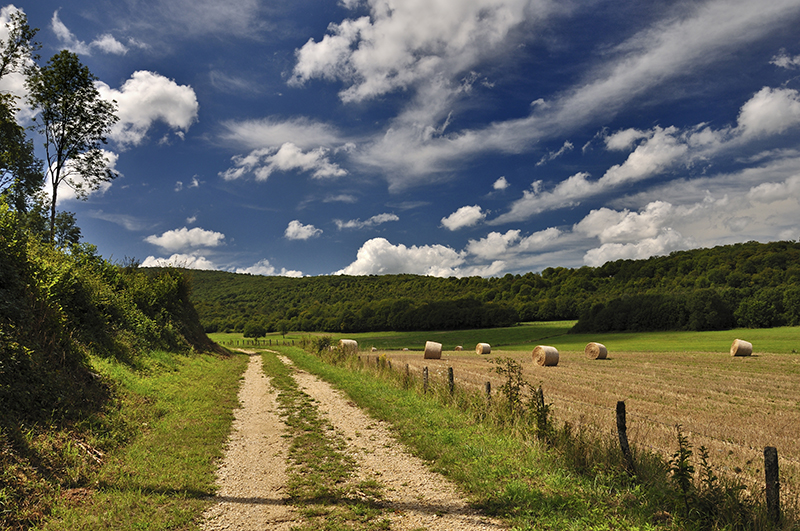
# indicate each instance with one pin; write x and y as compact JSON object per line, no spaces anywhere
{"x":348,"y":345}
{"x":374,"y":349}
{"x":433,"y":350}
{"x":741,"y":347}
{"x":596,"y":351}
{"x":545,"y":356}
{"x":459,"y":348}
{"x":405,"y":349}
{"x":483,"y":348}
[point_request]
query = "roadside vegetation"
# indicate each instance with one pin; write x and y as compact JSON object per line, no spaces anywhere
{"x":516,"y":461}
{"x":100,"y":374}
{"x":89,"y":350}
{"x":171,"y":416}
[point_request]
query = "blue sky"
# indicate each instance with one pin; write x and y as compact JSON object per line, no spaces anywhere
{"x":439,"y":137}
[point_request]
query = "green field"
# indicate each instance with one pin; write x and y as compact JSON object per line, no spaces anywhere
{"x":525,"y":336}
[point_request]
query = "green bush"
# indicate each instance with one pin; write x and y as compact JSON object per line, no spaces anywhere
{"x":254,"y":330}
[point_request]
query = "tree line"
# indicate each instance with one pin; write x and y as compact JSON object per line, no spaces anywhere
{"x":742,"y":285}
{"x":71,"y":119}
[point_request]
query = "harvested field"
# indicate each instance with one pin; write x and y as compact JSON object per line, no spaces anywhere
{"x":734,"y":406}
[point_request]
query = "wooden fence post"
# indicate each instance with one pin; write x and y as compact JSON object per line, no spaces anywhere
{"x":425,"y":380}
{"x":451,"y":380}
{"x":488,"y":388}
{"x":773,"y":483}
{"x":622,"y":431}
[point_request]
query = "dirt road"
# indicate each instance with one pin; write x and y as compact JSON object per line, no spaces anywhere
{"x":252,"y":476}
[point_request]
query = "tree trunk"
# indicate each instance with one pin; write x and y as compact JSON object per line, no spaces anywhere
{"x":53,"y":214}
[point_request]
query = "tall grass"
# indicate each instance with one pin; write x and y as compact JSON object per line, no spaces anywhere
{"x":173,"y":418}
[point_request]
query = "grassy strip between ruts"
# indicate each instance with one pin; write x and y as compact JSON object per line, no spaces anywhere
{"x":320,"y":472}
{"x":180,"y":410}
{"x":510,"y":478}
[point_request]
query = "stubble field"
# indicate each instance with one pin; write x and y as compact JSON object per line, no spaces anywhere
{"x":732,"y":406}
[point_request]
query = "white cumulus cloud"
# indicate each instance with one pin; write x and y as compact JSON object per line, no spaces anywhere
{"x":263,"y":267}
{"x":400,"y":45}
{"x":511,"y":246}
{"x":148,"y":97}
{"x":625,"y":139}
{"x":652,"y":156}
{"x":614,"y":226}
{"x":264,"y":162}
{"x":666,"y":241}
{"x":466,"y":216}
{"x":188,"y":261}
{"x":775,"y":191}
{"x":106,"y":42}
{"x":494,"y":244}
{"x":270,"y":132}
{"x":298,"y":231}
{"x":770,"y":111}
{"x":183,"y":238}
{"x":500,"y":184}
{"x":785,"y":60}
{"x":379,"y":257}
{"x":371,"y":222}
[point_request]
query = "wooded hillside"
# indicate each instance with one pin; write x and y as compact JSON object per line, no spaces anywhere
{"x":749,"y":285}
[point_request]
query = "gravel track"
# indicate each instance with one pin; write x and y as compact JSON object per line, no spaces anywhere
{"x":252,"y":476}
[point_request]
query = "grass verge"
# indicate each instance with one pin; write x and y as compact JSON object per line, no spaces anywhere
{"x":177,"y":411}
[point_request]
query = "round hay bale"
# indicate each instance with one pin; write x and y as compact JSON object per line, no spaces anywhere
{"x":348,"y":345}
{"x":741,"y":347}
{"x":596,"y":351}
{"x":483,"y":348}
{"x":459,"y":348}
{"x":545,"y":356}
{"x":374,"y":349}
{"x":433,"y":350}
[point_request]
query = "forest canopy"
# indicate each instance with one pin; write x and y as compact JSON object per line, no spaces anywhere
{"x":750,"y":285}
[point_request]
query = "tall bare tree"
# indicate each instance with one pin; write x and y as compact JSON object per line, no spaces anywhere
{"x":74,"y":121}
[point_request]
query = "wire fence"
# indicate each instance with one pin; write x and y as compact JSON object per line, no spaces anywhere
{"x":447,"y":376}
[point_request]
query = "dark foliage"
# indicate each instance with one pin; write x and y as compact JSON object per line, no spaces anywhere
{"x":58,"y":306}
{"x":748,"y":285}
